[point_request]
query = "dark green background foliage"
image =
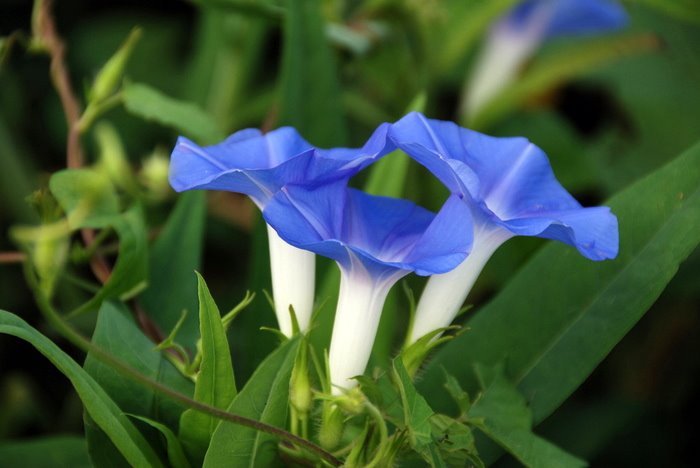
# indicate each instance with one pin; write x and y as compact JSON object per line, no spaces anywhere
{"x":610,"y":112}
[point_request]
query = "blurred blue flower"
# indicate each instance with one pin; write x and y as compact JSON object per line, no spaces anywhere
{"x":518,"y":34}
{"x":511,"y":190}
{"x":375,"y":241}
{"x":550,"y":18}
{"x":258,"y":165}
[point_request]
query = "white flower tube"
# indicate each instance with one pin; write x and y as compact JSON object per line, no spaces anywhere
{"x":293,"y":280}
{"x":360,"y":303}
{"x":445,"y":293}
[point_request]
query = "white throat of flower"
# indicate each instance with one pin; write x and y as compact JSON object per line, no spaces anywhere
{"x":293,"y":280}
{"x":360,"y":303}
{"x":445,"y":293}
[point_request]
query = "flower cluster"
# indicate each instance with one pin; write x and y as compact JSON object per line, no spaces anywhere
{"x":500,"y":188}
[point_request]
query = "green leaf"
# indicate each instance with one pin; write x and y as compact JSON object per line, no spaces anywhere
{"x":216,"y":384}
{"x":501,"y":413}
{"x":553,"y":333}
{"x":118,"y":334}
{"x":185,"y":117}
{"x":173,"y":257}
{"x":310,"y":95}
{"x":56,"y":452}
{"x":416,"y":410}
{"x":130,"y":271}
{"x":176,"y":456}
{"x":97,"y":403}
{"x":85,"y":195}
{"x":264,"y":398}
{"x":455,"y":442}
{"x":457,"y":393}
{"x":559,"y":67}
{"x":684,"y":10}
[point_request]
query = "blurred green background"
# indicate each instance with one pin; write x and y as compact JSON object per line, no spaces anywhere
{"x":603,"y":125}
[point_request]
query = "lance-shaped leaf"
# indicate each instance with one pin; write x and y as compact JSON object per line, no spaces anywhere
{"x":215,"y":381}
{"x":264,"y":398}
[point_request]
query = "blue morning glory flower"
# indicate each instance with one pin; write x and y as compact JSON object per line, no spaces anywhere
{"x":511,"y":190}
{"x":375,"y":241}
{"x":566,"y":17}
{"x":258,"y":165}
{"x":516,"y":36}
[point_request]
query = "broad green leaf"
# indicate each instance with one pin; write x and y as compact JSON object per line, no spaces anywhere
{"x":130,"y":271}
{"x":264,"y":398}
{"x":559,"y":67}
{"x":501,"y":413}
{"x":85,"y":195}
{"x":215,"y":385}
{"x":118,"y":334}
{"x":310,"y":97}
{"x":176,"y":455}
{"x":562,"y":314}
{"x":107,"y":415}
{"x":56,"y":452}
{"x":173,"y":257}
{"x":416,"y":410}
{"x":185,"y":117}
{"x":89,"y":200}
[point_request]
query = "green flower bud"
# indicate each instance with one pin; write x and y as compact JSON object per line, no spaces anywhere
{"x":332,"y":426}
{"x":300,"y":394}
{"x":113,"y":160}
{"x":110,"y":76}
{"x":154,"y":175}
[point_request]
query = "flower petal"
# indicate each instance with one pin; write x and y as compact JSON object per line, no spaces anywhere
{"x":258,"y":164}
{"x":508,"y":183}
{"x":383,"y":234}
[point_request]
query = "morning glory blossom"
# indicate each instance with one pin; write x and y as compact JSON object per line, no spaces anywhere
{"x":514,"y":38}
{"x":258,"y":165}
{"x":375,"y":242}
{"x":511,"y":190}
